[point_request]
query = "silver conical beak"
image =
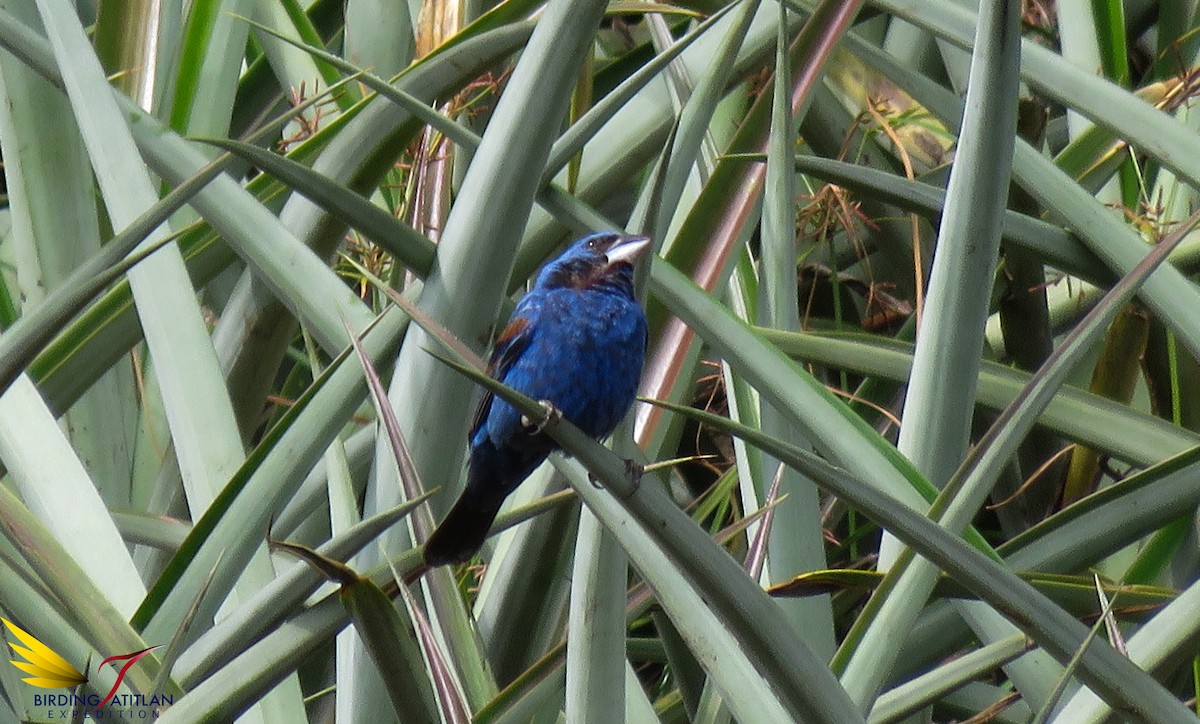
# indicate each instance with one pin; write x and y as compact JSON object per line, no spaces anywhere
{"x":627,"y":250}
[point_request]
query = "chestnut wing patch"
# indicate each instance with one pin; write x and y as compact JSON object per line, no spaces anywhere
{"x":509,"y":345}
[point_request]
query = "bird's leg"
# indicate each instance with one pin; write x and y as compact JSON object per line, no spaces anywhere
{"x":553,"y":414}
{"x":633,"y":472}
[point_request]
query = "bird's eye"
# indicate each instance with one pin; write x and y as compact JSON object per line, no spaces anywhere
{"x":592,"y":243}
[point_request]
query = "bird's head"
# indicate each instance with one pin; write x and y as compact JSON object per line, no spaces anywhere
{"x":603,"y":260}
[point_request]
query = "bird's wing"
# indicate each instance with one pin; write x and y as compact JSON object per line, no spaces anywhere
{"x":509,"y":345}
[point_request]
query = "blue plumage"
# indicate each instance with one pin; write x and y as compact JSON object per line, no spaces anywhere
{"x":577,"y":340}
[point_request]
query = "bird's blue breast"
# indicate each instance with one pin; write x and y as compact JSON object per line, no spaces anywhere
{"x":584,"y":356}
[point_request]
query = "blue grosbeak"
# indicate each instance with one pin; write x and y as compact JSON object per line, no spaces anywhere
{"x":575,"y":341}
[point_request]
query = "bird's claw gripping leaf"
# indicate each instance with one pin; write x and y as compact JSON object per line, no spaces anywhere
{"x":553,"y":414}
{"x":633,"y":472}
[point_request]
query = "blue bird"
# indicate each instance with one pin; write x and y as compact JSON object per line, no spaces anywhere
{"x":576,"y":341}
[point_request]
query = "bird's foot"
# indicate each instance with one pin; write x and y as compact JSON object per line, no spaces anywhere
{"x":553,"y":414}
{"x":633,"y":473}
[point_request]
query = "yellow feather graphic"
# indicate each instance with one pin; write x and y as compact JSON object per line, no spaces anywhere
{"x":48,"y":669}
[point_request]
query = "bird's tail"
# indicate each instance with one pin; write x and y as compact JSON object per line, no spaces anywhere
{"x":463,"y":531}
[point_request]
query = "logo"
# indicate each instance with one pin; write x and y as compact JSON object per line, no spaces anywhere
{"x":48,"y":670}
